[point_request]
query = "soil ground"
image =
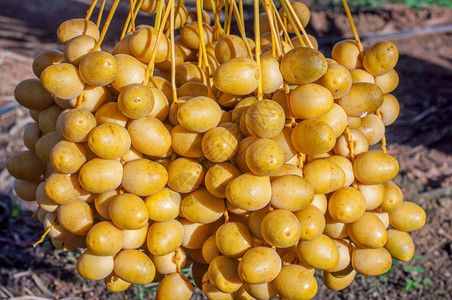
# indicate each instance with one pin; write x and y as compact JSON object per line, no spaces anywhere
{"x":420,"y":139}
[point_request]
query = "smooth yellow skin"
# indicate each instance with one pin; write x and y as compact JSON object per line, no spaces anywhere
{"x":100,"y":175}
{"x":32,"y":94}
{"x":408,"y":217}
{"x":43,"y":201}
{"x":294,"y":282}
{"x":335,"y":229}
{"x":136,"y":101}
{"x":62,"y":188}
{"x":389,"y":109}
{"x":163,"y":205}
{"x":310,"y":101}
{"x":237,"y":76}
{"x":144,"y":134}
{"x":63,"y":81}
{"x":167,"y":264}
{"x":186,"y":143}
{"x":271,"y":75}
{"x":25,"y":166}
{"x":296,"y":43}
{"x":363,"y":98}
{"x":45,"y":144}
{"x":75,"y":27}
{"x":354,"y":122}
{"x":32,"y":133}
{"x":202,"y":207}
{"x":173,"y":286}
{"x":69,"y":244}
{"x":265,"y":119}
{"x":346,"y":205}
{"x":193,"y":89}
{"x":259,"y":265}
{"x":75,"y":124}
{"x":47,"y":118}
{"x":344,"y":255}
{"x":57,"y":232}
{"x":374,"y":194}
{"x":189,"y":72}
{"x":303,"y":65}
{"x":368,"y":232}
{"x":122,"y":47}
{"x":264,"y":157}
{"x":199,"y":114}
{"x":371,"y":262}
{"x":219,"y":144}
{"x":211,"y":292}
{"x":242,"y":294}
{"x":338,"y":283}
{"x":109,"y":141}
{"x":320,"y":202}
{"x":313,"y":137}
{"x":185,"y":175}
{"x":128,"y":211}
{"x":165,"y":65}
{"x":218,"y":176}
{"x":375,"y":167}
{"x":326,"y":176}
{"x":76,"y":217}
{"x":291,"y":192}
{"x":134,"y":266}
{"x":161,"y":84}
{"x":161,"y":105}
{"x":380,"y":58}
{"x":164,"y":237}
{"x":46,"y":58}
{"x":283,"y":139}
{"x":93,"y":98}
{"x":259,"y":290}
{"x":130,"y":70}
{"x":400,"y":245}
{"x":230,"y":46}
{"x":134,"y":239}
{"x":336,"y":117}
{"x":393,"y":197}
{"x":373,"y":128}
{"x":255,"y":221}
{"x":144,"y":177}
{"x":360,"y":141}
{"x":98,"y":68}
{"x":346,"y":53}
{"x":189,"y":34}
{"x":320,"y":253}
{"x":346,"y":166}
{"x":209,"y":249}
{"x":143,"y":42}
{"x":149,"y":6}
{"x":388,"y":81}
{"x":360,"y":75}
{"x":94,"y":267}
{"x":104,"y":238}
{"x":110,"y":113}
{"x":312,"y":222}
{"x":77,"y":48}
{"x":26,"y":190}
{"x":248,"y":191}
{"x":195,"y":233}
{"x":223,"y":274}
{"x":337,"y":80}
{"x":102,"y":203}
{"x":281,"y":228}
{"x":115,"y":284}
{"x":242,"y":106}
{"x":233,"y":239}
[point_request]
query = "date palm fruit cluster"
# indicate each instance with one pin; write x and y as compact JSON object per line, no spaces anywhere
{"x":252,"y":172}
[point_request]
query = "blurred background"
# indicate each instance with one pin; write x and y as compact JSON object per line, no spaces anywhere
{"x":420,"y":139}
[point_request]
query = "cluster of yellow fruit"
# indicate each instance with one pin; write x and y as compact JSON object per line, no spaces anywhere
{"x":253,"y":191}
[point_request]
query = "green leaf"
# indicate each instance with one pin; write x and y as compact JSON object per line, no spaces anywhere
{"x":417,"y":269}
{"x":427,"y":282}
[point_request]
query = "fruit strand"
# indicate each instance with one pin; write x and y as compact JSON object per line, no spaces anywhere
{"x":173,"y":55}
{"x":288,"y":17}
{"x":258,"y":47}
{"x":106,"y":25}
{"x":89,"y":12}
{"x":383,"y":139}
{"x":132,"y":21}
{"x":297,"y":20}
{"x":352,"y":26}
{"x":43,"y":236}
{"x":101,"y":11}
